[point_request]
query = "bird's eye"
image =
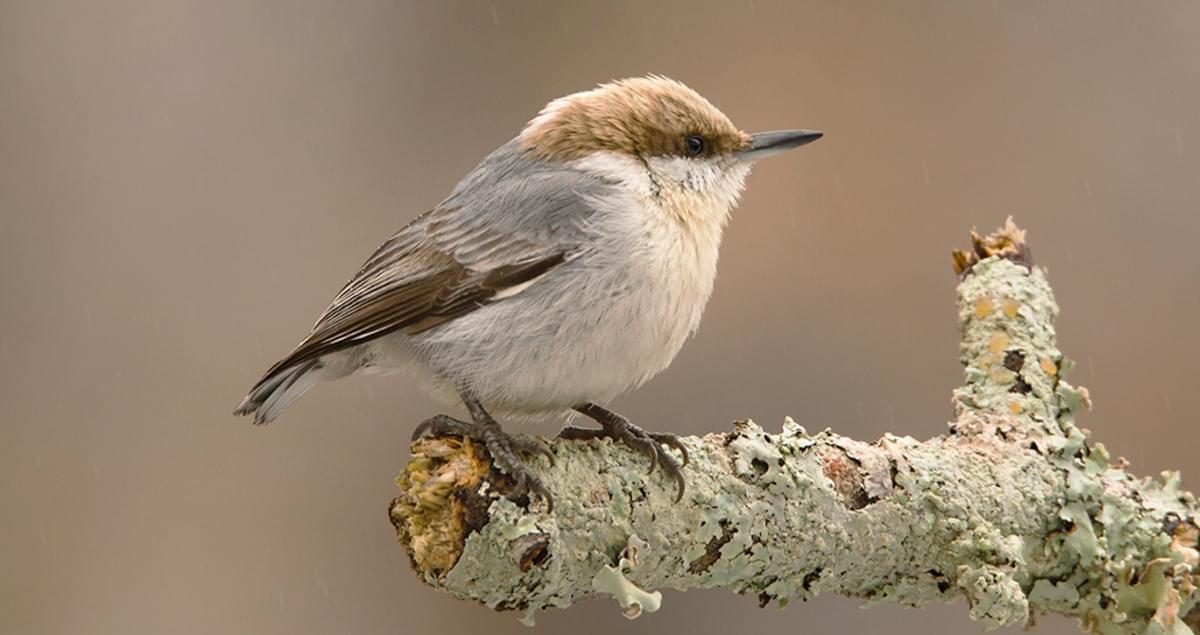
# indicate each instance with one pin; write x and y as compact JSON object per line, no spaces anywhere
{"x":694,"y":144}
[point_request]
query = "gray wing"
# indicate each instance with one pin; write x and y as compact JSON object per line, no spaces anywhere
{"x":413,"y":283}
{"x":493,"y":233}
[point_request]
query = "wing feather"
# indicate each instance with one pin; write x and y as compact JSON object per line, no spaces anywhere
{"x":416,"y":281}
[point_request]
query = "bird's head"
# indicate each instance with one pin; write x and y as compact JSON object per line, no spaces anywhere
{"x":658,"y":134}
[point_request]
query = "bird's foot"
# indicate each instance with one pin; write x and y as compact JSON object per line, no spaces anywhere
{"x":621,"y":430}
{"x":503,"y":448}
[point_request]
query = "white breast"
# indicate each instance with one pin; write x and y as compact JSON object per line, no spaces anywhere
{"x":676,"y":213}
{"x":609,"y":319}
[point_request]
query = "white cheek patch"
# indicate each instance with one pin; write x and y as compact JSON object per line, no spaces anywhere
{"x":618,"y":167}
{"x":717,"y":181}
{"x":692,"y":187}
{"x":677,"y":170}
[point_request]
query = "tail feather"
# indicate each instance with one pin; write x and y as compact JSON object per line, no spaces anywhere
{"x":278,"y":389}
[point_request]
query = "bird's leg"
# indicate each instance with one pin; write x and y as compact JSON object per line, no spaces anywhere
{"x":618,"y":428}
{"x":502,"y":446}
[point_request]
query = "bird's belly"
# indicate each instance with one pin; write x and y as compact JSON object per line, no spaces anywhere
{"x":573,"y":338}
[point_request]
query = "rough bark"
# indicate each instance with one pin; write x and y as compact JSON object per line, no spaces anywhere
{"x":1015,"y":508}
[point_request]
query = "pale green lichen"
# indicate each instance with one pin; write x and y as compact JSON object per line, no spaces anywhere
{"x":761,"y":515}
{"x":1003,"y":347}
{"x":995,"y":596}
{"x":612,"y":581}
{"x":1111,"y":524}
{"x":1015,"y":510}
{"x":525,"y":525}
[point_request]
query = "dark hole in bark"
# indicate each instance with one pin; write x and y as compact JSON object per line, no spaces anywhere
{"x":809,"y":579}
{"x":760,"y":466}
{"x":475,"y":510}
{"x":1014,"y":361}
{"x":940,"y":579}
{"x":535,"y":551}
{"x":1170,"y":523}
{"x":506,"y":606}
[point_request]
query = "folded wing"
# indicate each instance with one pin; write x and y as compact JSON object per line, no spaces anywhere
{"x":415,"y":282}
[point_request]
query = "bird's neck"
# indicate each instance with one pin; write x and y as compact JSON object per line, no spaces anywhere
{"x":695,"y":196}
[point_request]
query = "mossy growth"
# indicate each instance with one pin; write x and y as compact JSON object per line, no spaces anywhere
{"x":432,"y":513}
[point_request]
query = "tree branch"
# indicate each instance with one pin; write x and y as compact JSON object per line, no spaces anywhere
{"x":1014,"y":509}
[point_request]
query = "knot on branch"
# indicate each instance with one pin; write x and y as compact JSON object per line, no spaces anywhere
{"x":440,"y":504}
{"x":1008,"y":242}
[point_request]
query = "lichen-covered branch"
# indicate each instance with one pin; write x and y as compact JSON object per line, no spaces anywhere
{"x":1014,"y":509}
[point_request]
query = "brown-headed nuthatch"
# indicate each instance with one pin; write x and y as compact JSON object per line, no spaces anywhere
{"x":567,"y":268}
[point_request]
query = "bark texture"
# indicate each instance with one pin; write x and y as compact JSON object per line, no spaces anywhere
{"x":1015,"y":509}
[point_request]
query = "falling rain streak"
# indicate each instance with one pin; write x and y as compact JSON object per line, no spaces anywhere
{"x":320,"y":583}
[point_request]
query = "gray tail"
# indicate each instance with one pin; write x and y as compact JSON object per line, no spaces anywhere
{"x":278,"y":389}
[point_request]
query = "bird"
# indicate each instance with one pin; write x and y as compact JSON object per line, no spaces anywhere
{"x":569,"y":267}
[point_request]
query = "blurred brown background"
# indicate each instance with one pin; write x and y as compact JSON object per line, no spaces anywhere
{"x":184,"y":185}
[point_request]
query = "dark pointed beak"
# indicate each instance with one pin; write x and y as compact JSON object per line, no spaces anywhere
{"x":764,"y":144}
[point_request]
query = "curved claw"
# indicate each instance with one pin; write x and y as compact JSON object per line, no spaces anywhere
{"x":545,"y":451}
{"x":678,"y":476}
{"x":530,"y":486}
{"x":536,"y":488}
{"x":534,"y":446}
{"x":651,"y":449}
{"x":421,"y":428}
{"x":672,"y":441}
{"x":673,"y":470}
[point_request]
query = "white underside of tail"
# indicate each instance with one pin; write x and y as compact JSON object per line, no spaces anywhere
{"x":298,"y":382}
{"x":268,"y":399}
